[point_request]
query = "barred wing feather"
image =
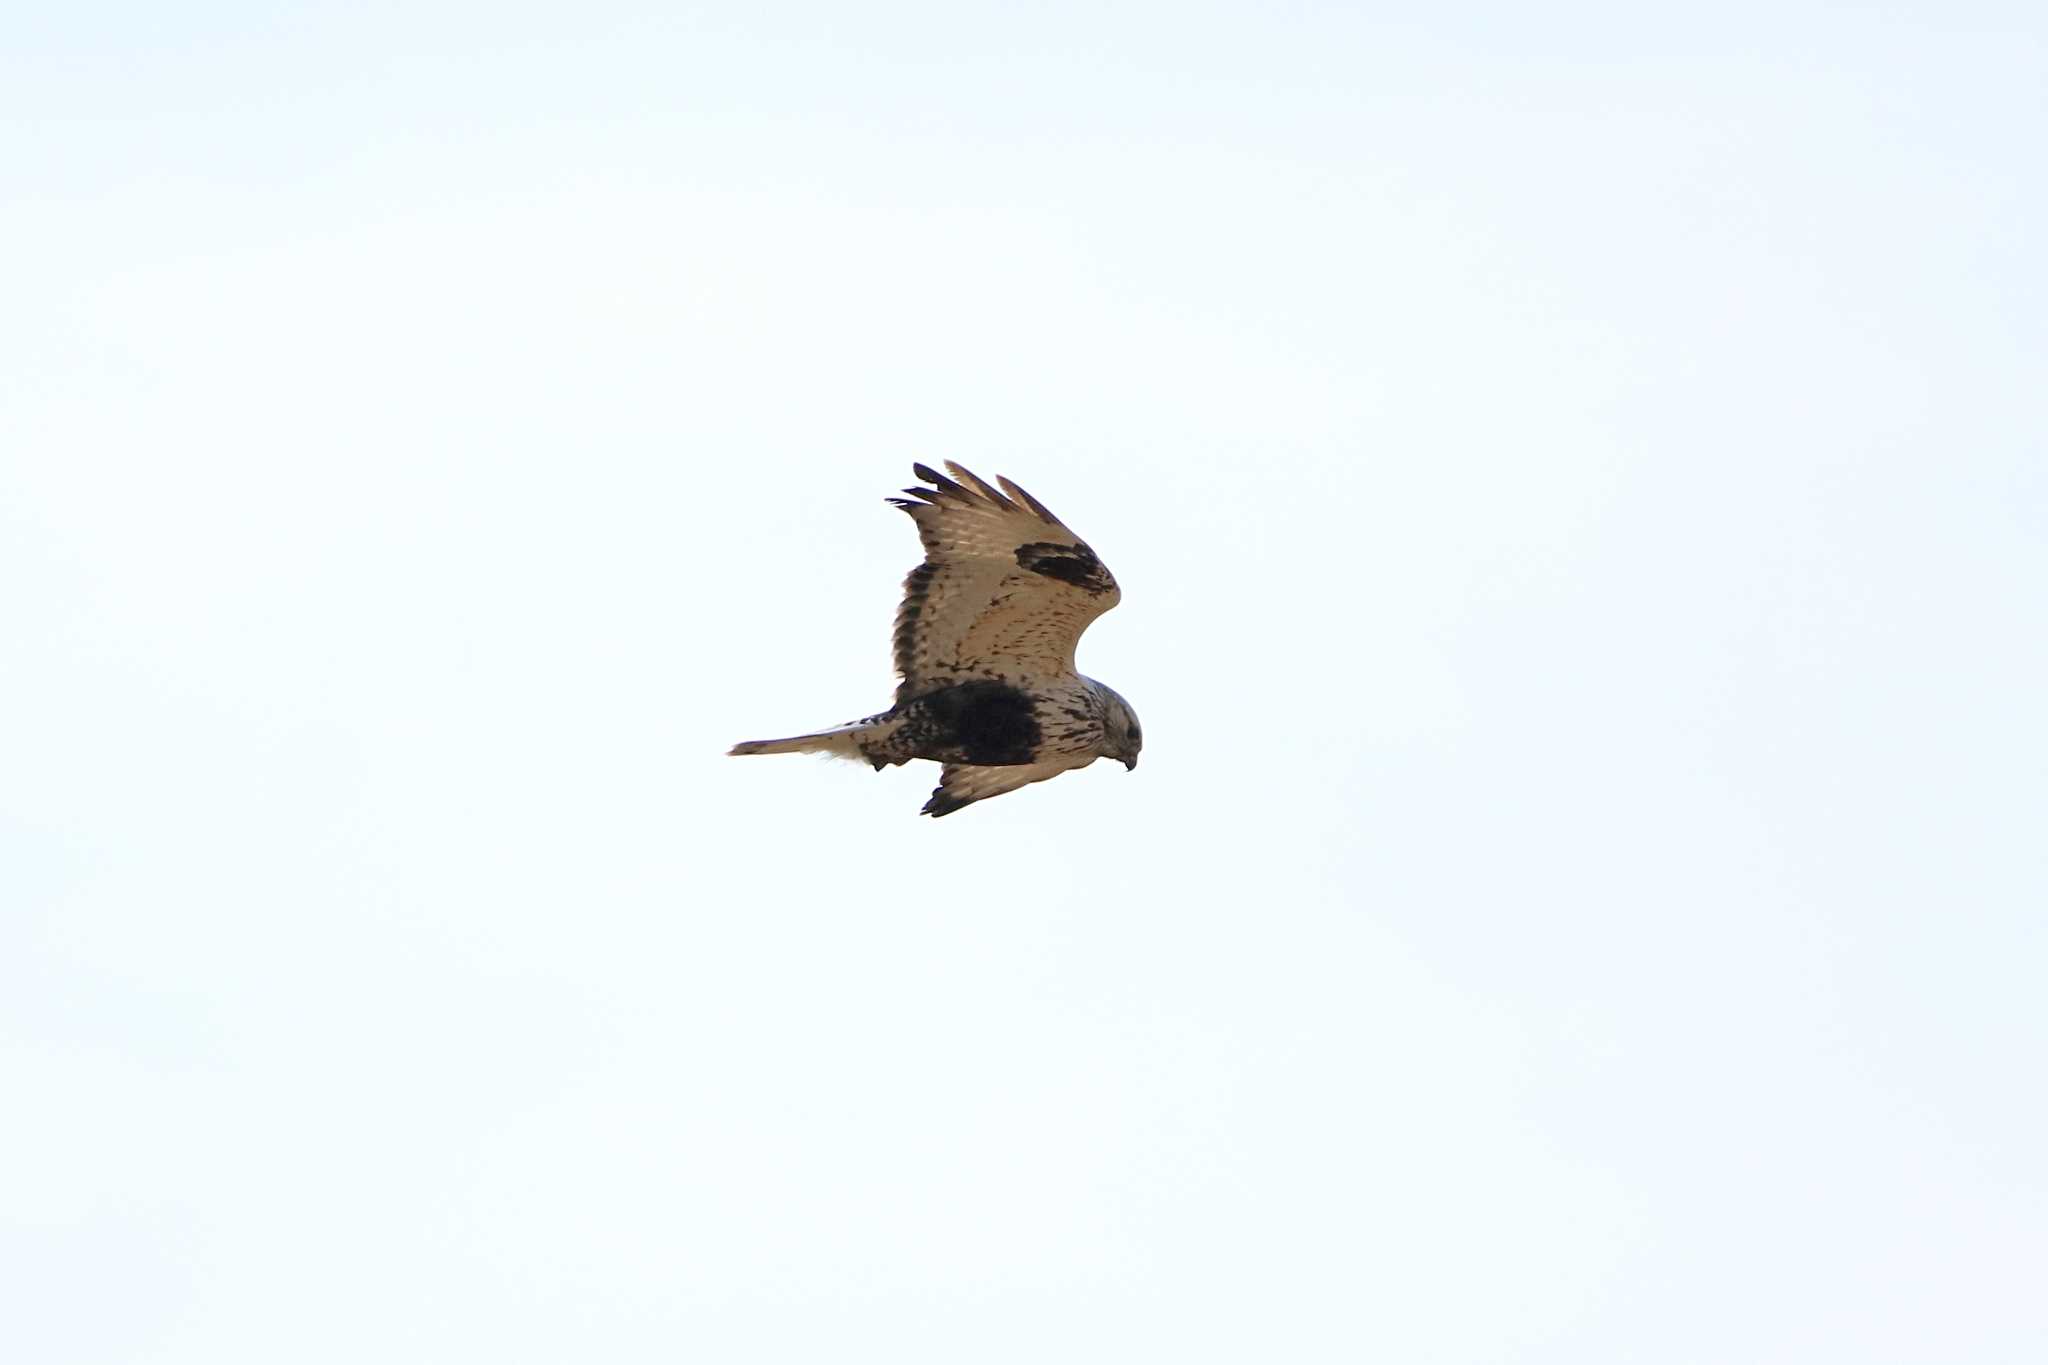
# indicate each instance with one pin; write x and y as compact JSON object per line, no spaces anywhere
{"x":1005,"y":589}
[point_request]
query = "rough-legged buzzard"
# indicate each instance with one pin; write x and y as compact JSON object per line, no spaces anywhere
{"x":985,"y":647}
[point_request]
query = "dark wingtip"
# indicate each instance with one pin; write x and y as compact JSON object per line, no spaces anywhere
{"x":943,"y":803}
{"x":941,"y":485}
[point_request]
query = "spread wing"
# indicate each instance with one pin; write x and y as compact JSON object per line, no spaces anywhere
{"x":962,"y":784}
{"x":1005,"y":590}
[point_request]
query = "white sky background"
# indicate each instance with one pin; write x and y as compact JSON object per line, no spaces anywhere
{"x":1577,"y":480}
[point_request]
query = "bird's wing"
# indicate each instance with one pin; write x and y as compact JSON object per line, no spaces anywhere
{"x":963,"y":784}
{"x":1005,"y":590}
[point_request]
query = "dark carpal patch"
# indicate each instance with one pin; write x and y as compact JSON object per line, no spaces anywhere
{"x":989,"y":724}
{"x":1075,"y":564}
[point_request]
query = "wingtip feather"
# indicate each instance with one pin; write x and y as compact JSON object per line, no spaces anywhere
{"x":1033,"y":503}
{"x":981,"y":486}
{"x":964,"y":485}
{"x":942,"y":487}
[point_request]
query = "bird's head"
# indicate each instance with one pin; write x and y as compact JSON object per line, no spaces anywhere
{"x":1122,"y":737}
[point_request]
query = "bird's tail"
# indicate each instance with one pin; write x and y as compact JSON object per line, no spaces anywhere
{"x":841,"y":741}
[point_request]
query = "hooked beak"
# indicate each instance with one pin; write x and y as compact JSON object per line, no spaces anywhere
{"x":1131,"y":764}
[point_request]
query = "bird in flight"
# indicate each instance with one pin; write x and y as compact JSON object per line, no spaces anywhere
{"x":985,"y":649}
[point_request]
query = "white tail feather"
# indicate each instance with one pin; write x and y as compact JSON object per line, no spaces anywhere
{"x":842,"y":741}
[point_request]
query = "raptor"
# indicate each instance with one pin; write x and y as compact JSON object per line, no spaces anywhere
{"x":984,"y":644}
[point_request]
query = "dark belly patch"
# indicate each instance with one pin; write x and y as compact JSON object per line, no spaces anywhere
{"x":983,"y":723}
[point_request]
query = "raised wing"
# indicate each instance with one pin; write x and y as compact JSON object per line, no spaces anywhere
{"x":1005,"y":590}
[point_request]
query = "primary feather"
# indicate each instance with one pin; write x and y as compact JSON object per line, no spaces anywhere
{"x":984,"y":646}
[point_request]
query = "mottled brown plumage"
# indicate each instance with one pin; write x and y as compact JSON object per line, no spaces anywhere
{"x":984,"y":648}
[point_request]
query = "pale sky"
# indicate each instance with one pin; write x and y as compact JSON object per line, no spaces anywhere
{"x":1577,"y":479}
